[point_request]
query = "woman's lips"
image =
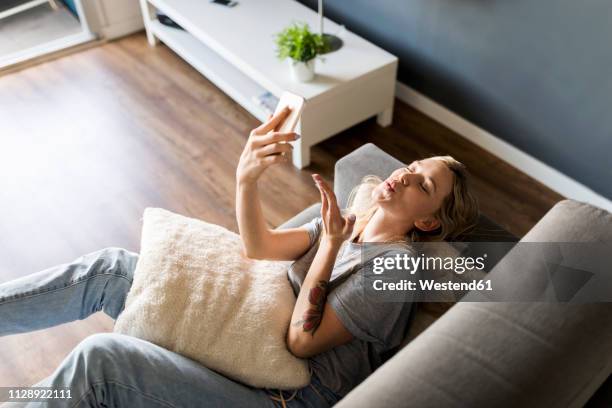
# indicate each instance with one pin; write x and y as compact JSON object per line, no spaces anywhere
{"x":388,"y":186}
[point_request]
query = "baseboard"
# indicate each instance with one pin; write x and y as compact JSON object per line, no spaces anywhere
{"x":48,"y":51}
{"x":528,"y":164}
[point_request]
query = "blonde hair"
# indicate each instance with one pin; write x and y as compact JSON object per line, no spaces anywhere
{"x":457,"y":214}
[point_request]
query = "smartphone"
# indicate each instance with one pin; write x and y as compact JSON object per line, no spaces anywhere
{"x":228,"y":3}
{"x":296,"y":103}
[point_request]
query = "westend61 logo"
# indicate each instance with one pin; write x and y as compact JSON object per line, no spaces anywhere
{"x":412,"y":264}
{"x":567,"y":272}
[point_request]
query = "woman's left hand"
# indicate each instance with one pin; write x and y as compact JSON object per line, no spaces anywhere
{"x":337,"y":227}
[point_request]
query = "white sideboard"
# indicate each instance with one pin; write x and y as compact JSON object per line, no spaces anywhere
{"x":234,"y":48}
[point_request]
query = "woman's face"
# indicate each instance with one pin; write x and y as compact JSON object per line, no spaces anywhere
{"x":416,"y":192}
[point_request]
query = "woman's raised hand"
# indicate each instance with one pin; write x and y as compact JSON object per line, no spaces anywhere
{"x":338,"y":228}
{"x":264,"y":148}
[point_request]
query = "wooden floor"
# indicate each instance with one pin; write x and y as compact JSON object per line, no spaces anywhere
{"x":89,"y":140}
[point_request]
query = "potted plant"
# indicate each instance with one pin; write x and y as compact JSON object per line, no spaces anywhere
{"x":301,"y":46}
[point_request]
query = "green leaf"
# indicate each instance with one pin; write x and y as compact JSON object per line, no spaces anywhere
{"x":299,"y":43}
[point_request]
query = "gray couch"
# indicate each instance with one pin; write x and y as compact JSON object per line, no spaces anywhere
{"x":494,"y":354}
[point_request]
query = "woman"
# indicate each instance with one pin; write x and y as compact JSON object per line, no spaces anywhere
{"x":343,"y":338}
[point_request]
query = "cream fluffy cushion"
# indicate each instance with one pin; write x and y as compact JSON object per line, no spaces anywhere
{"x":195,"y":294}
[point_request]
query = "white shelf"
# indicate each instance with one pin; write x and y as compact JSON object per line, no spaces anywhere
{"x":223,"y":74}
{"x":244,"y":36}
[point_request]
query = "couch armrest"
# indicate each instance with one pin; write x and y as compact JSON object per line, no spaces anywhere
{"x":368,"y":159}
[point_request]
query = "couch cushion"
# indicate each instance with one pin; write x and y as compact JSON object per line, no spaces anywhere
{"x":487,"y":230}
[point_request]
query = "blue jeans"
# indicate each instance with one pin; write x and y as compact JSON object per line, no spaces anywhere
{"x":114,"y":370}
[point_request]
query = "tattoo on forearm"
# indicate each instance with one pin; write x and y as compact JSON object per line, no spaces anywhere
{"x":312,"y":316}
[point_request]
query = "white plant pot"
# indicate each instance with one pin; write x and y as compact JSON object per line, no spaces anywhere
{"x":302,"y":71}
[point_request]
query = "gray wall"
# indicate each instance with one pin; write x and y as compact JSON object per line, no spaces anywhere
{"x":536,"y":73}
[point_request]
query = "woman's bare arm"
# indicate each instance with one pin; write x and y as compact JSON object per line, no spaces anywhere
{"x":263,"y":149}
{"x":258,"y":240}
{"x":315,"y":326}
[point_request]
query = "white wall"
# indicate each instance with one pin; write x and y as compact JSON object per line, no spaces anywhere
{"x":111,"y":19}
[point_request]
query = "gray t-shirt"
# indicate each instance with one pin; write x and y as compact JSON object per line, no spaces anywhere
{"x":376,"y":326}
